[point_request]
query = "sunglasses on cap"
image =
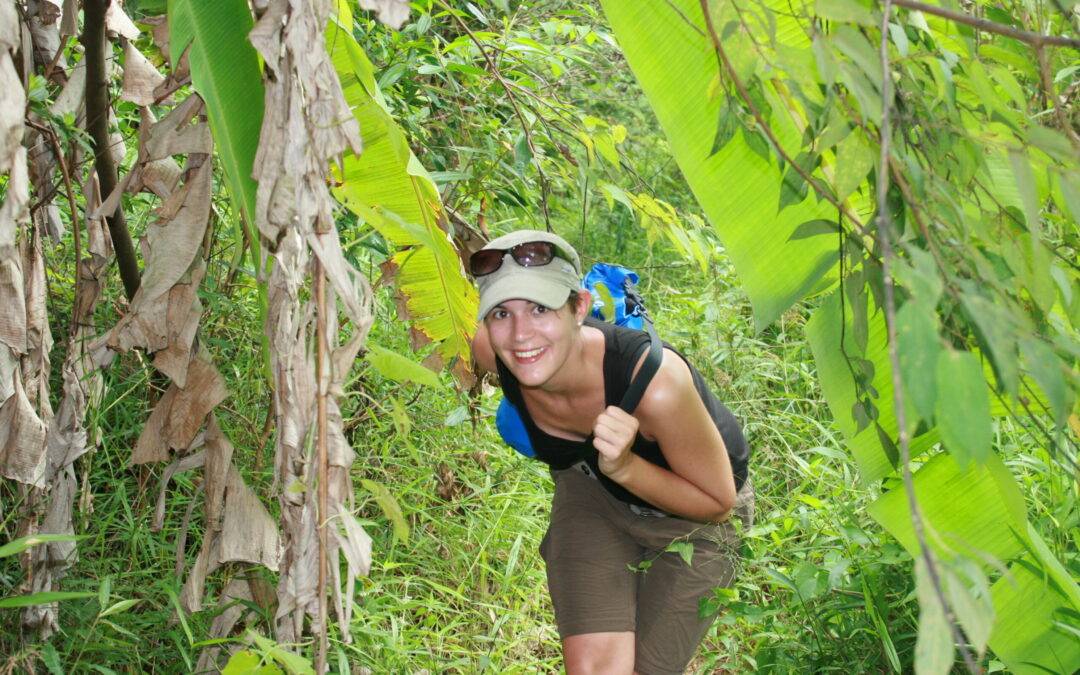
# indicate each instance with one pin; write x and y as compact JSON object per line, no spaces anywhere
{"x":527,"y":254}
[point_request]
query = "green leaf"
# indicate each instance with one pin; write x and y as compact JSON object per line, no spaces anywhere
{"x":854,"y":45}
{"x":613,"y":193}
{"x":737,"y":188}
{"x":918,"y":345}
{"x":42,"y":598}
{"x":919,"y":276}
{"x":975,"y":511}
{"x":794,"y":188}
{"x":824,"y":331}
{"x":392,"y":192}
{"x":19,"y":545}
{"x":394,"y":366}
{"x":1024,"y":635}
{"x":390,"y":508}
{"x":850,"y":11}
{"x":118,"y":607}
{"x":974,"y":610}
{"x":725,"y":126}
{"x":1070,"y":190}
{"x":934,"y":654}
{"x":225,"y":72}
{"x":962,"y":409}
{"x":51,"y":659}
{"x":104,"y":591}
{"x":1049,"y":373}
{"x":245,"y":662}
{"x":293,"y":663}
{"x":813,"y":228}
{"x":1025,"y":184}
{"x":605,"y":145}
{"x":854,"y":159}
{"x":684,"y":548}
{"x":996,"y":327}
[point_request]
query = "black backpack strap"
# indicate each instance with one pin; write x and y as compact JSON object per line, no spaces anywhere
{"x":644,"y":376}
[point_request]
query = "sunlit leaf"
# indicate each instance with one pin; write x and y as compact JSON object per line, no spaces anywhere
{"x":42,"y":598}
{"x":398,"y":368}
{"x":983,"y":525}
{"x":225,"y":72}
{"x":962,"y":409}
{"x":851,"y":11}
{"x":854,"y":159}
{"x":934,"y":653}
{"x":918,"y":347}
{"x":390,"y":508}
{"x":737,"y":188}
{"x":22,"y":543}
{"x":388,"y":187}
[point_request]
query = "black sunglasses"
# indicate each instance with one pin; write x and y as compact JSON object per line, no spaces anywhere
{"x":528,"y":254}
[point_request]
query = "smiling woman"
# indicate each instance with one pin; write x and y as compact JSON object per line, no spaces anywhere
{"x":627,"y":483}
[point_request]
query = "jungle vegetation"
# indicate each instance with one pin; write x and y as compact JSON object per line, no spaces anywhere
{"x":239,"y":425}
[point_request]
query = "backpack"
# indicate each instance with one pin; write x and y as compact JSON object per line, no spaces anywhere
{"x":615,"y":299}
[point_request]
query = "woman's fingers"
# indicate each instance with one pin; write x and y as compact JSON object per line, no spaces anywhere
{"x":614,"y":431}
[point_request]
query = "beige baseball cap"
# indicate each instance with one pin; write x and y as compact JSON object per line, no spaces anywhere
{"x":548,"y":285}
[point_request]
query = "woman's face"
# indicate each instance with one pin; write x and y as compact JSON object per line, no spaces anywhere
{"x":533,"y":341}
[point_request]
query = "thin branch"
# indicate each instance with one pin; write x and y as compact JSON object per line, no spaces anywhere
{"x":725,"y":65}
{"x":97,"y":121}
{"x":884,"y":236}
{"x":1052,"y":99}
{"x":1034,"y":39}
{"x":323,"y":460}
{"x":513,"y":102}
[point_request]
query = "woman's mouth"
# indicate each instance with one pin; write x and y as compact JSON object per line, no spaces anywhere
{"x":529,"y":355}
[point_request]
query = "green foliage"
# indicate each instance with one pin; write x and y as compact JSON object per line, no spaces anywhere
{"x":978,"y":210}
{"x":225,"y":71}
{"x":737,"y":186}
{"x":391,"y":191}
{"x":23,"y":543}
{"x":456,"y":585}
{"x":399,"y":368}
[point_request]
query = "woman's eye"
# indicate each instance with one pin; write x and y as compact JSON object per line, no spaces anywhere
{"x":499,"y":314}
{"x":540,"y":309}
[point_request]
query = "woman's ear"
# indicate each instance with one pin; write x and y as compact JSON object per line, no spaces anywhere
{"x":584,"y":305}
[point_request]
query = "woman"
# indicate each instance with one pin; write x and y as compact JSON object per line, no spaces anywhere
{"x":626,"y":485}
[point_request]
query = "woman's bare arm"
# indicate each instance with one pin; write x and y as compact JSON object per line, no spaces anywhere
{"x":483,"y":355}
{"x":700,"y":484}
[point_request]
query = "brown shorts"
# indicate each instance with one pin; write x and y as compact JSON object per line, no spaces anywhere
{"x":595,"y":549}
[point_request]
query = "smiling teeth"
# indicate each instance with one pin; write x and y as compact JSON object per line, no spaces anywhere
{"x":529,"y":354}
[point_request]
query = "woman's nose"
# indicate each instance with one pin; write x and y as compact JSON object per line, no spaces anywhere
{"x":522,"y":328}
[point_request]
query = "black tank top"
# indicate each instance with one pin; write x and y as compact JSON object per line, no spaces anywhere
{"x":622,"y":349}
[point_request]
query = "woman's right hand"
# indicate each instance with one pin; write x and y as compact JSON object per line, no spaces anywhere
{"x":613,"y":434}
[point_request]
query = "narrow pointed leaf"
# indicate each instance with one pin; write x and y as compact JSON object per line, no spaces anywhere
{"x":225,"y":72}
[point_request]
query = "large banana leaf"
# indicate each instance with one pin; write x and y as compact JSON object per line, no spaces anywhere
{"x":1038,"y":609}
{"x":988,"y":520}
{"x":225,"y":72}
{"x":671,"y":55}
{"x":391,"y":191}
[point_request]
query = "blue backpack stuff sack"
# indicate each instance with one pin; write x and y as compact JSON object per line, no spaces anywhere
{"x":615,"y":286}
{"x":615,"y":299}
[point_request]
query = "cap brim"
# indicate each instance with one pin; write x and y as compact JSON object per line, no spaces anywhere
{"x":548,"y":290}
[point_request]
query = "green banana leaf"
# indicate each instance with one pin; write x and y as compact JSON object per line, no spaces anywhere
{"x":1038,"y":609}
{"x":391,"y":191}
{"x":988,"y":520}
{"x":672,"y":57}
{"x":225,"y":72}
